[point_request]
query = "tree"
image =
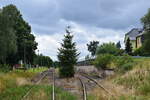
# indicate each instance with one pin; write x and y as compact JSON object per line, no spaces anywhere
{"x":67,"y":55}
{"x":92,"y":46}
{"x":128,"y":47}
{"x":118,"y":45}
{"x":7,"y":38}
{"x":87,"y":57}
{"x":146,"y":23}
{"x":43,"y":61}
{"x":25,"y":40}
{"x":107,"y":48}
{"x":146,"y":20}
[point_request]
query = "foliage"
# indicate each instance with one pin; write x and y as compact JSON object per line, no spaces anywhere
{"x":121,"y":52}
{"x":145,"y":46}
{"x":107,"y":48}
{"x":146,"y":22}
{"x":102,"y":61}
{"x":5,"y":68}
{"x":138,"y":78}
{"x":118,"y":45}
{"x":124,"y":63}
{"x":87,"y":57}
{"x":128,"y":47}
{"x":67,"y":55}
{"x":139,"y":52}
{"x":92,"y":46}
{"x":18,"y":38}
{"x":37,"y":70}
{"x":56,"y":64}
{"x":43,"y":61}
{"x":7,"y":38}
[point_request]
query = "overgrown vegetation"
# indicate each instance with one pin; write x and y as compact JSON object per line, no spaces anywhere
{"x":17,"y":42}
{"x":137,"y":79}
{"x":102,"y":61}
{"x":41,"y":60}
{"x":123,"y":63}
{"x":119,"y":63}
{"x":39,"y":92}
{"x":14,"y":85}
{"x":92,"y":46}
{"x":108,"y":48}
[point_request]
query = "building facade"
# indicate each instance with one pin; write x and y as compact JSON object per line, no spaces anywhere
{"x":136,"y":38}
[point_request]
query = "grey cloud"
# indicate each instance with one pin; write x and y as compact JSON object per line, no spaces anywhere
{"x":96,"y":16}
{"x":113,"y":14}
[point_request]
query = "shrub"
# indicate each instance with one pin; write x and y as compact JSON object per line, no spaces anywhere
{"x":139,"y":52}
{"x":102,"y":61}
{"x":5,"y":68}
{"x":124,"y":63}
{"x":107,"y":48}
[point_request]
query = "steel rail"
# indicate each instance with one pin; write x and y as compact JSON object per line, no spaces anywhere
{"x":83,"y":89}
{"x":34,"y":86}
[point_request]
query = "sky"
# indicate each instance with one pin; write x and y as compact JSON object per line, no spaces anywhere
{"x":101,"y":20}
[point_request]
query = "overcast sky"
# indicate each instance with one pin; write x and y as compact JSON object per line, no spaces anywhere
{"x":102,"y":20}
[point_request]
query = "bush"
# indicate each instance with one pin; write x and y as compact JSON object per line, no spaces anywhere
{"x":124,"y":63}
{"x":5,"y":68}
{"x":139,"y":52}
{"x":107,"y":48}
{"x":102,"y":61}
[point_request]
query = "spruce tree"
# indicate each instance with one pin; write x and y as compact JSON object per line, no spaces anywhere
{"x":67,"y":55}
{"x":128,"y":47}
{"x":118,"y":45}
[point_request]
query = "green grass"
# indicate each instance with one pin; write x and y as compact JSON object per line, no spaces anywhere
{"x":39,"y":92}
{"x":37,"y":70}
{"x":17,"y":77}
{"x":15,"y":93}
{"x":33,"y":70}
{"x":13,"y":85}
{"x":91,"y":97}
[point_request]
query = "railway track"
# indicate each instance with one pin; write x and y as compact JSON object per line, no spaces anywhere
{"x":83,"y":88}
{"x":95,"y":81}
{"x":42,"y":76}
{"x":53,"y":93}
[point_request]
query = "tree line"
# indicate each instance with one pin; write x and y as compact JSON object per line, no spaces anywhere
{"x":16,"y":41}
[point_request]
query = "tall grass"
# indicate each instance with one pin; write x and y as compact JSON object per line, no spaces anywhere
{"x":138,"y":78}
{"x":14,"y":85}
{"x":39,"y":92}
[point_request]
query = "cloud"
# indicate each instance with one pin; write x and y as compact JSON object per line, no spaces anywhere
{"x":49,"y":44}
{"x":102,"y":20}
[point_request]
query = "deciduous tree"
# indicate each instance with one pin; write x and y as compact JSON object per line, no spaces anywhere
{"x":92,"y":46}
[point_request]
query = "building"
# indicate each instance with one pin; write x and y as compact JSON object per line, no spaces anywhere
{"x":136,"y":38}
{"x":140,"y":40}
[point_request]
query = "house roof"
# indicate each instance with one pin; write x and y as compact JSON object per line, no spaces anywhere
{"x":142,"y":33}
{"x":134,"y":33}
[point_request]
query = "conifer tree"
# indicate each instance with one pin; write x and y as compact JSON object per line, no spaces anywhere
{"x":118,"y":45}
{"x":128,"y":47}
{"x":67,"y":55}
